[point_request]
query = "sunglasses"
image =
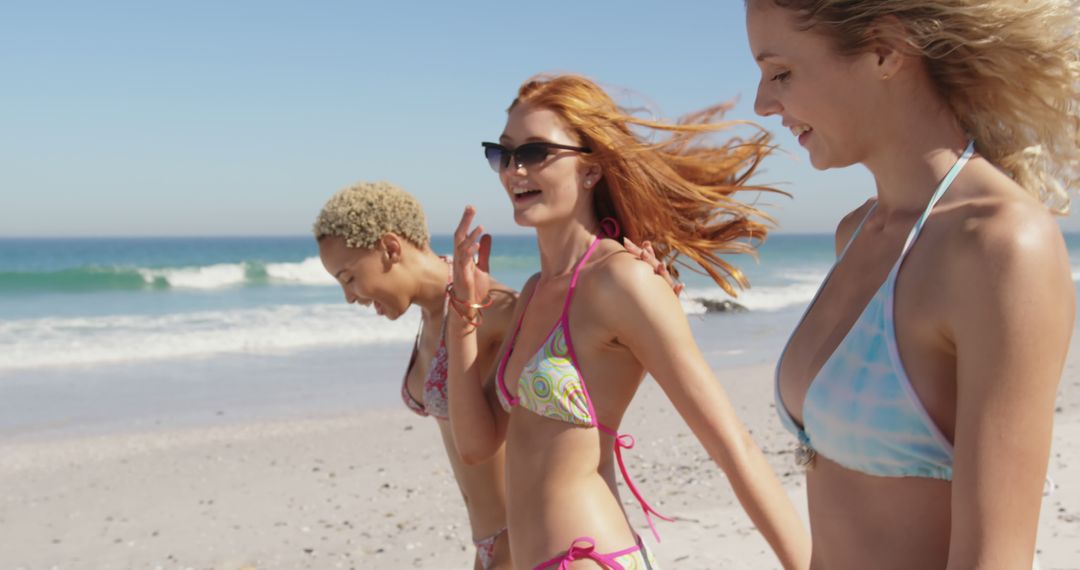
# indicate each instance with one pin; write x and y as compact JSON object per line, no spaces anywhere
{"x":527,"y":155}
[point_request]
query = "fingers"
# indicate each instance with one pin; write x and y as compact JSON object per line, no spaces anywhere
{"x":465,"y":246}
{"x":640,"y":251}
{"x":660,"y":268}
{"x":470,"y":244}
{"x":485,"y":253}
{"x":649,"y":256}
{"x":463,"y":226}
{"x":645,"y":253}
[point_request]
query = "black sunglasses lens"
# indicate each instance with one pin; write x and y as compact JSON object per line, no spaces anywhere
{"x":527,"y":155}
{"x":531,"y":154}
{"x":496,"y":157}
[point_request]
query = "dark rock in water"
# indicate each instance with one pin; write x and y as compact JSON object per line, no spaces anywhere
{"x":714,"y":306}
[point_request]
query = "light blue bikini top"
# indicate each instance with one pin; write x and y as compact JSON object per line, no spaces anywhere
{"x":860,"y":410}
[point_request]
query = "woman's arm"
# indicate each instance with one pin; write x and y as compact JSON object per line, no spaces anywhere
{"x":474,"y":417}
{"x":494,"y":331}
{"x":1010,"y":318}
{"x":648,"y":319}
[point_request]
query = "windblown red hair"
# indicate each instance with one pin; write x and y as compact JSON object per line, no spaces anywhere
{"x":676,"y":193}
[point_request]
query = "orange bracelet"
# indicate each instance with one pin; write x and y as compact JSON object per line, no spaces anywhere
{"x":459,"y":306}
{"x":468,"y":321}
{"x":455,"y":299}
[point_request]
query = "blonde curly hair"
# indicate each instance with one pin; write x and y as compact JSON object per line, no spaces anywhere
{"x":1009,"y":70}
{"x":366,"y":211}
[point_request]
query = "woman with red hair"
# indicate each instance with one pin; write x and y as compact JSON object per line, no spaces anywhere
{"x":593,"y":321}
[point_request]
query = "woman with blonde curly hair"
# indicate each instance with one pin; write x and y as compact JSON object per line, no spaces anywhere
{"x":921,"y":380}
{"x":373,"y":239}
{"x":593,"y":321}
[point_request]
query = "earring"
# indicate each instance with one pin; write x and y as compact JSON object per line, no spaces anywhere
{"x":884,"y":75}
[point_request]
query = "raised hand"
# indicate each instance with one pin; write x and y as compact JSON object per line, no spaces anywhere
{"x":472,"y":250}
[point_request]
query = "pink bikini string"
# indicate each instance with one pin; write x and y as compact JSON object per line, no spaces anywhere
{"x":584,"y":548}
{"x":610,"y":226}
{"x":626,"y":441}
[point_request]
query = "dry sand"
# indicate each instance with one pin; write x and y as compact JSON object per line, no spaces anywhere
{"x":374,"y":490}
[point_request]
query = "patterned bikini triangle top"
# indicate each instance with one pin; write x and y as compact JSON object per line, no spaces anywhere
{"x":551,"y":383}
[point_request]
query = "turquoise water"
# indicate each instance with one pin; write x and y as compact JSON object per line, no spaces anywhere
{"x":85,"y":302}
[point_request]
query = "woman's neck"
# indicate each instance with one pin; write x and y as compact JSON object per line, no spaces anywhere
{"x":915,"y":147}
{"x":562,"y":246}
{"x":430,"y":277}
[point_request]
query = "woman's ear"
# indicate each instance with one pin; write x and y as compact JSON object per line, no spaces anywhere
{"x":391,"y":246}
{"x":592,"y":175}
{"x":890,"y":41}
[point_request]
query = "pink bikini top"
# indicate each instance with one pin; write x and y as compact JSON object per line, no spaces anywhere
{"x":551,"y":383}
{"x":435,"y":400}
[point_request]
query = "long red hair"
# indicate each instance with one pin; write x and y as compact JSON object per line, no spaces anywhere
{"x":676,"y":193}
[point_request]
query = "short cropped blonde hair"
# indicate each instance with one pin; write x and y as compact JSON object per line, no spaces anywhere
{"x":364,"y":212}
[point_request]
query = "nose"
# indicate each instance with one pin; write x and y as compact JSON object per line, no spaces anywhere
{"x":511,"y":173}
{"x":765,"y":103}
{"x":515,"y":167}
{"x":351,"y":297}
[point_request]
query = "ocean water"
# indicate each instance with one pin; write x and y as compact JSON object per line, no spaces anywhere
{"x":88,"y":302}
{"x":119,"y":335}
{"x":84,"y":302}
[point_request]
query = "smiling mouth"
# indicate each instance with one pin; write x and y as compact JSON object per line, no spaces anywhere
{"x":799,"y":130}
{"x":521,"y":194}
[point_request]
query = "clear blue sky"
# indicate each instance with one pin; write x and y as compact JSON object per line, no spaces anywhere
{"x":241,"y":118}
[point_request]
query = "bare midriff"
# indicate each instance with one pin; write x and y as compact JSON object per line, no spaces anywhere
{"x":862,"y":521}
{"x":561,"y":486}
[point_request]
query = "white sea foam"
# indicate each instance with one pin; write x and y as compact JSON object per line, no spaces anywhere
{"x":804,"y":274}
{"x":307,"y":272}
{"x":50,"y":342}
{"x":203,"y":277}
{"x":762,"y":298}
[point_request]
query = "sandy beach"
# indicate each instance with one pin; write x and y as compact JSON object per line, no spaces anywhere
{"x":372,"y":489}
{"x":212,"y":285}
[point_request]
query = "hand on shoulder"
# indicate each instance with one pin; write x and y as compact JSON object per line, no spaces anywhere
{"x":623,"y":289}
